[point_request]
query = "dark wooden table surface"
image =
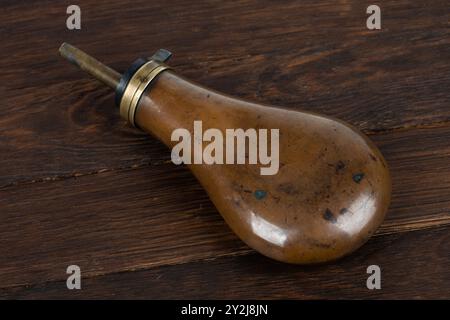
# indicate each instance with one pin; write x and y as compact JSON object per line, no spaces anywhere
{"x":78,"y":186}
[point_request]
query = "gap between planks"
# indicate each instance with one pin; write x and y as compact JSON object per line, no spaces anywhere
{"x":434,"y":125}
{"x":243,"y":252}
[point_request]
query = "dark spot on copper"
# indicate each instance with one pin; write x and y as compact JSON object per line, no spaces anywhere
{"x":260,"y":194}
{"x":329,"y":216}
{"x":358,"y":177}
{"x":319,"y":244}
{"x":372,"y":157}
{"x":277,"y":199}
{"x":343,"y":211}
{"x":339,"y":167}
{"x":287,"y":188}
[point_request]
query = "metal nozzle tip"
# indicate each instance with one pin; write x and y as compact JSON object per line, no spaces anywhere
{"x":66,"y":50}
{"x":63,"y":45}
{"x":89,"y":64}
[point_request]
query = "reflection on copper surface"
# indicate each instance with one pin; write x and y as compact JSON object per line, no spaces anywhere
{"x":360,"y":213}
{"x":267,"y":230}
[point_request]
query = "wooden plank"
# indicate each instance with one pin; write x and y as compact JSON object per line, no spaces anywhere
{"x":57,"y":123}
{"x":413,"y":265}
{"x":157,"y":215}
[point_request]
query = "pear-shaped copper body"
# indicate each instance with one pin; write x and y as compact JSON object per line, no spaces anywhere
{"x":329,"y":196}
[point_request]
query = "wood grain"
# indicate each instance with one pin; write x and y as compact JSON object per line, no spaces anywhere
{"x":159,"y":215}
{"x":405,"y":274}
{"x":56,"y":122}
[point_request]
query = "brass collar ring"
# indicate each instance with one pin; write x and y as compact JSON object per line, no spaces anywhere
{"x":140,"y":80}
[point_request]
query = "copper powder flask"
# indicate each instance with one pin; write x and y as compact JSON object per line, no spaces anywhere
{"x":332,"y":189}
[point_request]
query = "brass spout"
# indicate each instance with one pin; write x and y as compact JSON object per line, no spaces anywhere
{"x":91,"y":65}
